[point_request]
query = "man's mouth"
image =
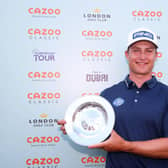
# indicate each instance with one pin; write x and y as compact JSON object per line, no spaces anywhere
{"x":141,"y":63}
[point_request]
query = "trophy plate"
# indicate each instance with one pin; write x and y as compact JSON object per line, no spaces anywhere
{"x":89,"y":120}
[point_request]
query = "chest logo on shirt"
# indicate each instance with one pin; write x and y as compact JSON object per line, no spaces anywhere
{"x":118,"y":101}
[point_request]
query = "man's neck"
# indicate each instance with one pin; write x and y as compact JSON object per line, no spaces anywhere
{"x":139,"y":80}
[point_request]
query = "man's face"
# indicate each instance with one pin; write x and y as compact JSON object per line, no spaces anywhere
{"x":141,"y":57}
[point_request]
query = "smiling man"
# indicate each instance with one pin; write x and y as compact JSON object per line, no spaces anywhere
{"x":140,"y":102}
{"x":140,"y":135}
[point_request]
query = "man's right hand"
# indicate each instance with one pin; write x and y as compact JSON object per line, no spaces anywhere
{"x":62,"y":124}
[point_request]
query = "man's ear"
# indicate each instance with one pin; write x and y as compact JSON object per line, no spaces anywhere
{"x":156,"y":56}
{"x":126,"y":54}
{"x":157,"y":53}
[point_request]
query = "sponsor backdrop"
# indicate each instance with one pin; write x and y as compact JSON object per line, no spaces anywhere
{"x":53,"y":52}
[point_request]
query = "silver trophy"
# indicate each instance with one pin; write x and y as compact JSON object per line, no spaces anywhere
{"x":90,"y":120}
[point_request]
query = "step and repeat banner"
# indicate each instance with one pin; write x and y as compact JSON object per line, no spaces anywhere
{"x":53,"y":52}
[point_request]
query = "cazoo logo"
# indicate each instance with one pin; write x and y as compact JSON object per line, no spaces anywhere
{"x":96,"y":159}
{"x":42,"y":161}
{"x":43,"y":141}
{"x":97,"y":34}
{"x":96,"y":55}
{"x":44,"y":33}
{"x":43,"y":97}
{"x":43,"y":12}
{"x":147,"y":15}
{"x":41,"y":76}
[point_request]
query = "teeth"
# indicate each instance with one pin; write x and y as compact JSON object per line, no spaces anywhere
{"x":141,"y":63}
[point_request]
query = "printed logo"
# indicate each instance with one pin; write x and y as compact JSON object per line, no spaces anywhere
{"x":159,"y":75}
{"x":146,"y":15}
{"x":96,"y":161}
{"x":43,"y":76}
{"x":159,"y":55}
{"x":42,"y":121}
{"x":43,"y":56}
{"x":44,"y":12}
{"x":96,"y":55}
{"x":43,"y":97}
{"x":43,"y":141}
{"x":89,"y":93}
{"x":50,"y":162}
{"x":96,"y":77}
{"x":97,"y":15}
{"x":43,"y":33}
{"x":118,"y":102}
{"x":143,"y":34}
{"x":97,"y":34}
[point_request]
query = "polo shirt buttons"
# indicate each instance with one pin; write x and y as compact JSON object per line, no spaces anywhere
{"x":135,"y":100}
{"x":137,"y":91}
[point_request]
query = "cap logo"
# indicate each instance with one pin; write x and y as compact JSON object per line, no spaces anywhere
{"x":143,"y":34}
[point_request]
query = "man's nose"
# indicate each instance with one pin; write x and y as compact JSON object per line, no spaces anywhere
{"x":142,"y":55}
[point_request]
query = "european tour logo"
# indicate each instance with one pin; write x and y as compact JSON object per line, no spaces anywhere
{"x":43,"y":56}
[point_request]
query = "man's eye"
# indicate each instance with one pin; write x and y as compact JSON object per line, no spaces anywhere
{"x":135,"y":50}
{"x":149,"y":51}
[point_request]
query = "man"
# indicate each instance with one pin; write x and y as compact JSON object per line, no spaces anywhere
{"x":140,"y":102}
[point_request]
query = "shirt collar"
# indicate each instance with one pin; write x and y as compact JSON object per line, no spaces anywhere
{"x":150,"y":83}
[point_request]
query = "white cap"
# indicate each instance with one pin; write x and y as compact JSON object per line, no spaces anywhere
{"x":142,"y":34}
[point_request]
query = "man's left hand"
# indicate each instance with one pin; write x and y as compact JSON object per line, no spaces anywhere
{"x":113,"y":144}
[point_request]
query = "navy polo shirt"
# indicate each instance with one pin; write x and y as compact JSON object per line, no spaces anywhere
{"x":141,"y":114}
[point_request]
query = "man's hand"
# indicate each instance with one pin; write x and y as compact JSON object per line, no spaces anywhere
{"x":155,"y":148}
{"x":62,"y":123}
{"x":113,"y":144}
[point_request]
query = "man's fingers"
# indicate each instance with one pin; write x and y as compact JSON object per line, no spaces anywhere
{"x":99,"y":145}
{"x":61,"y":122}
{"x":63,"y":129}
